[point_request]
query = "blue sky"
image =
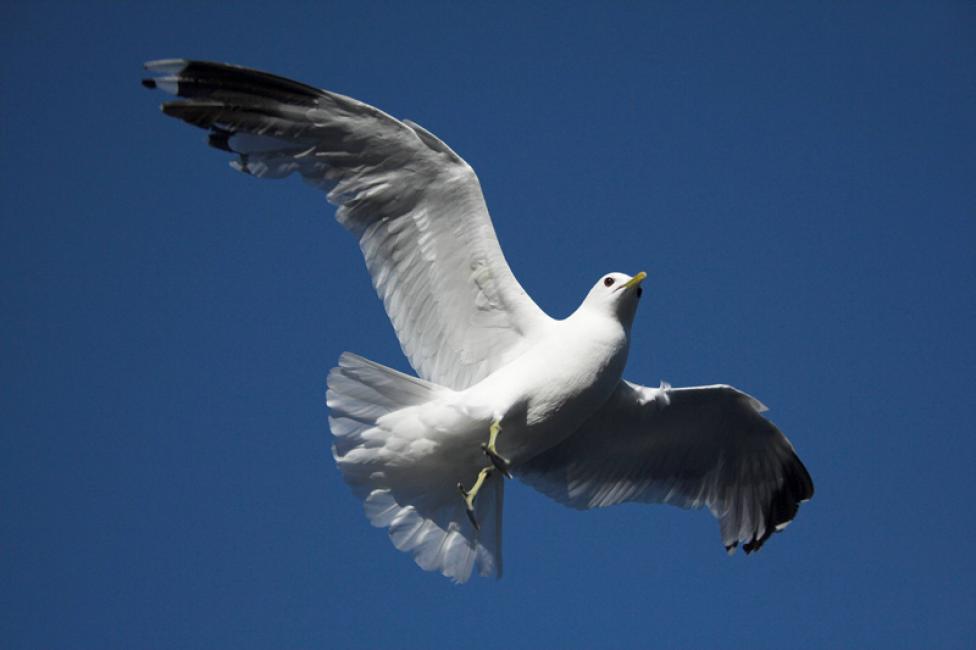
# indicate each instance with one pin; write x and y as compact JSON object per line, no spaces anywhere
{"x":798,"y":181}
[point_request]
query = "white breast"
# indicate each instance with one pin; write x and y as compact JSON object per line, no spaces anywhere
{"x":544,"y":395}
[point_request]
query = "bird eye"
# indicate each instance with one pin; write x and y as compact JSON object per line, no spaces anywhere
{"x":607,"y":282}
{"x":640,"y":291}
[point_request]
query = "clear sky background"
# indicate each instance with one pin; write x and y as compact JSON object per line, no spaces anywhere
{"x":798,"y":181}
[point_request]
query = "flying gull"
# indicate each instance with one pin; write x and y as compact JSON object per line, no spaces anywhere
{"x":503,"y":390}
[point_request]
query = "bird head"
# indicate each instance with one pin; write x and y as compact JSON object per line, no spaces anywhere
{"x":616,"y":294}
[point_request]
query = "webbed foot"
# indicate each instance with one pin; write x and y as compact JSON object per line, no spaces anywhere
{"x":500,"y":462}
{"x":470,"y":495}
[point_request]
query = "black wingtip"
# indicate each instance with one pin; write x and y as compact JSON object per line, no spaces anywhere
{"x":797,"y":488}
{"x":149,"y":83}
{"x":220,"y":139}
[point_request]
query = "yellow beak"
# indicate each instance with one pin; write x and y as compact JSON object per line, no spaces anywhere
{"x":634,"y":281}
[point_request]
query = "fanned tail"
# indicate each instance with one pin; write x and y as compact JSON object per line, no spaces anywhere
{"x":400,"y":466}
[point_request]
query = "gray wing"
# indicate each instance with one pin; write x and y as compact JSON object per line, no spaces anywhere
{"x":691,"y":447}
{"x":414,"y":205}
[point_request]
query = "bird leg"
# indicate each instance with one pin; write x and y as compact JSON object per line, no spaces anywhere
{"x":469,"y":495}
{"x":498,"y":462}
{"x":501,"y":463}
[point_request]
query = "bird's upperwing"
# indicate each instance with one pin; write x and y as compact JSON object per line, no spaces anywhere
{"x":690,"y":447}
{"x":415,"y":206}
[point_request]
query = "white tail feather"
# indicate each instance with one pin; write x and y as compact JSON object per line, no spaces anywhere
{"x":396,"y":463}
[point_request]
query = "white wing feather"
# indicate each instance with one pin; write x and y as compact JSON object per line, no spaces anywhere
{"x":415,"y":206}
{"x":691,"y":447}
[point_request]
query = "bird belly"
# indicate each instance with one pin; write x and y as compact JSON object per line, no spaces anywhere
{"x":545,"y":395}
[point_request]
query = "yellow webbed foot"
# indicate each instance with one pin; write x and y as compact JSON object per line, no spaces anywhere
{"x":500,"y":462}
{"x":470,"y":495}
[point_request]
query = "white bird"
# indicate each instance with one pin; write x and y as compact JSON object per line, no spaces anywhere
{"x":504,"y":389}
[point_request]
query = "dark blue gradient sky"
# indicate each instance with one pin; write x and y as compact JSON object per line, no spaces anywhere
{"x":798,"y":181}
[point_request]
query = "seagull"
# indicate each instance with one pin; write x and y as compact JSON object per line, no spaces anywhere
{"x":503,"y":390}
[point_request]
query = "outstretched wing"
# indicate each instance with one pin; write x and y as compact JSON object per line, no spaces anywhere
{"x":415,"y":206}
{"x":690,"y":447}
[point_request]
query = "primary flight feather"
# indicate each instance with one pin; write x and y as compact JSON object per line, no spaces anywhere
{"x":503,"y":389}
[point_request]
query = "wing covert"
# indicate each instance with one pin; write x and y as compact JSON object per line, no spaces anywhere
{"x":414,"y":205}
